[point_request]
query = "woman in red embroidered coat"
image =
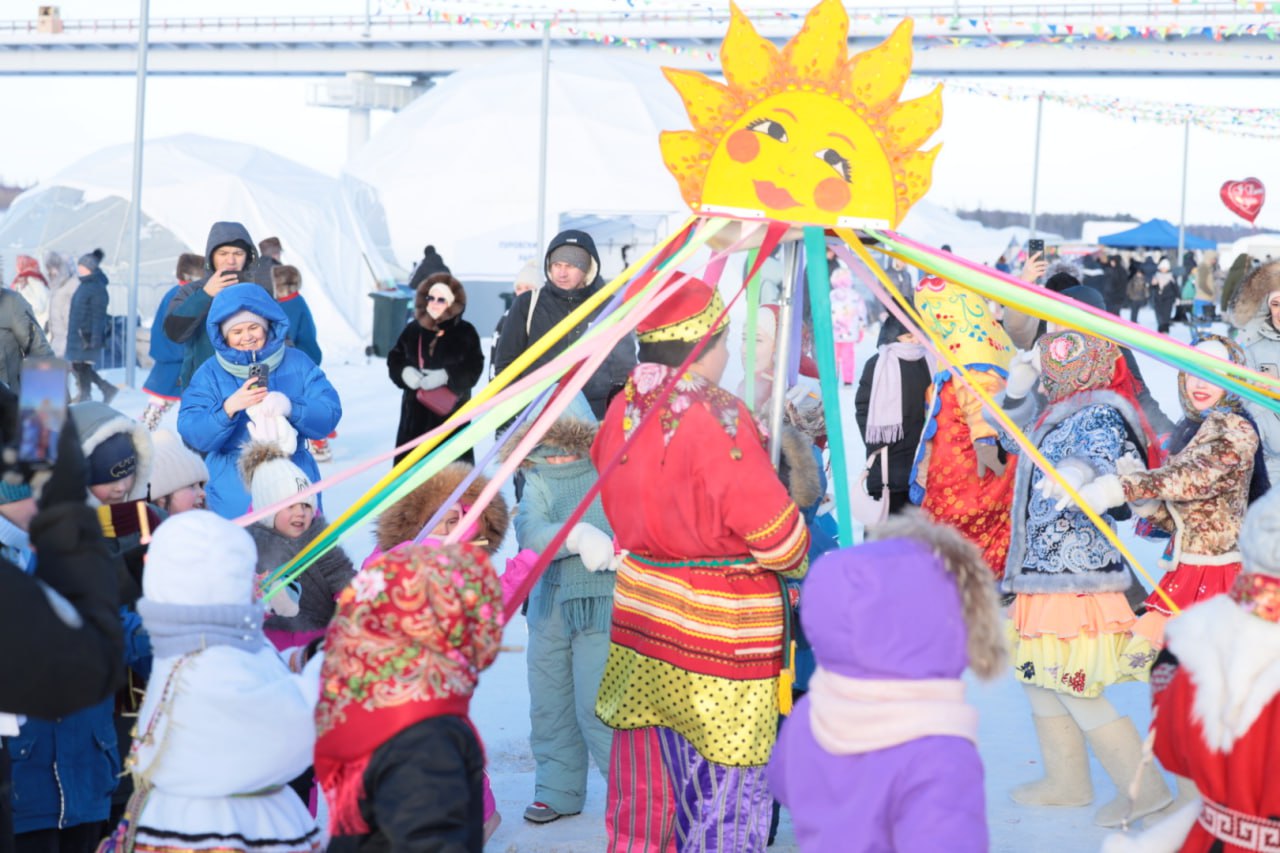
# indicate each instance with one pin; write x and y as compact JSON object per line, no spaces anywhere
{"x":696,"y":642}
{"x":1217,"y":722}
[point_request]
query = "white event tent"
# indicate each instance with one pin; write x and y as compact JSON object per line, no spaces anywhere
{"x":331,"y":229}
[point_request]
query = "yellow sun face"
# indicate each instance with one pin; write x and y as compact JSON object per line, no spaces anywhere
{"x":806,"y":134}
{"x":787,"y":157}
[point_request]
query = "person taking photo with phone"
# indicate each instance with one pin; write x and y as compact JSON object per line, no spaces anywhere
{"x":229,"y":252}
{"x":255,"y":387}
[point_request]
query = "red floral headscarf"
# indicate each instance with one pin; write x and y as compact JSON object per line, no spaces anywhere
{"x":411,"y":633}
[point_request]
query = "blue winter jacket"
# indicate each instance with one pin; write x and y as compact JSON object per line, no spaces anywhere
{"x":302,"y":328}
{"x":204,"y":424}
{"x":87,"y":321}
{"x":168,"y":354}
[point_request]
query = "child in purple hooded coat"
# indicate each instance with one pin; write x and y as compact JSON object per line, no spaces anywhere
{"x":881,"y":753}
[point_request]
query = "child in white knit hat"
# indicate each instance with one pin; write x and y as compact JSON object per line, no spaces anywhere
{"x":178,"y":474}
{"x":273,"y":479}
{"x":225,"y":724}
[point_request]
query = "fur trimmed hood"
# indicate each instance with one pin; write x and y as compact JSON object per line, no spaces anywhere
{"x":988,"y":652}
{"x":854,"y":598}
{"x":420,"y":300}
{"x":403,"y":521}
{"x":1233,"y":658}
{"x":1252,"y":301}
{"x":571,"y":435}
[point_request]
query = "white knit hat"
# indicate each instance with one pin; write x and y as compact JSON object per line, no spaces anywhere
{"x":240,"y":317}
{"x":173,"y":465}
{"x":271,"y":476}
{"x":198,"y":557}
{"x":1260,"y":535}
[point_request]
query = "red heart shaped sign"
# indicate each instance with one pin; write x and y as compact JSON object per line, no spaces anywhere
{"x":1244,"y":198}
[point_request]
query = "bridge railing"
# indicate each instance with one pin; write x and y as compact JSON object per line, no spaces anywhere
{"x":1029,"y":12}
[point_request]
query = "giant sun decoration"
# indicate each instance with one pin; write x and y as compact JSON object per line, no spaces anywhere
{"x":805,"y":134}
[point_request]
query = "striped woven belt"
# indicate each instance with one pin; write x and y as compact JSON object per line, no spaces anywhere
{"x":1246,"y":831}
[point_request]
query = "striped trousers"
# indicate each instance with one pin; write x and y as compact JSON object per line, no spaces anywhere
{"x":640,"y":808}
{"x":719,"y":809}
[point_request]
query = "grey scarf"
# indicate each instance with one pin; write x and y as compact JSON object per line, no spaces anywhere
{"x":177,"y":629}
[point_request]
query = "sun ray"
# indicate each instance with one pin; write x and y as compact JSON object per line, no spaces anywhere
{"x":912,"y":123}
{"x":878,"y":75}
{"x":749,"y":60}
{"x":710,"y":105}
{"x":821,"y":47}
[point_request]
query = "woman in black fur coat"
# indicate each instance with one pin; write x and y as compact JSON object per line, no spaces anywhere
{"x":437,"y":350}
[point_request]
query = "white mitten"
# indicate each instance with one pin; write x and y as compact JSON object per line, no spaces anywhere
{"x":1076,"y":472}
{"x":274,"y":429}
{"x":412,"y":378}
{"x":276,"y":404}
{"x":432,"y":379}
{"x":285,"y":602}
{"x":1132,"y":464}
{"x":1024,"y":372}
{"x":1103,"y":493}
{"x":593,"y":545}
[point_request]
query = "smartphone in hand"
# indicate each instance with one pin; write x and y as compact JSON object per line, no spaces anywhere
{"x":1035,"y":244}
{"x":258,"y":373}
{"x":42,"y":411}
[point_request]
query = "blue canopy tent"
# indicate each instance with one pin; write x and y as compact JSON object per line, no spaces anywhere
{"x":1155,"y":234}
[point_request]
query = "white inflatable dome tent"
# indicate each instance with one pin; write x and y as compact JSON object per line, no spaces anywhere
{"x":331,"y":230}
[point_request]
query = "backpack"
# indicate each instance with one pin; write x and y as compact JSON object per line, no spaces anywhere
{"x":1137,"y":289}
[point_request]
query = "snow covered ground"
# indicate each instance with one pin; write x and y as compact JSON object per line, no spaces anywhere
{"x":501,"y":706}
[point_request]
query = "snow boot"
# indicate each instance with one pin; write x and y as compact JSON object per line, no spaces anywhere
{"x":320,"y":449}
{"x":1118,"y":747}
{"x":1186,"y":792}
{"x":1066,"y":766}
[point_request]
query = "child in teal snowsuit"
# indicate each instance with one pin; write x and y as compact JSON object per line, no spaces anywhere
{"x":569,"y":616}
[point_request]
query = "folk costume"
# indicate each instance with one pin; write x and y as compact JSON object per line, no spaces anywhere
{"x":885,"y":714}
{"x":1199,"y":495}
{"x":696,"y":641}
{"x":224,"y":725}
{"x":396,"y":754}
{"x":959,"y":476}
{"x":1070,"y":626}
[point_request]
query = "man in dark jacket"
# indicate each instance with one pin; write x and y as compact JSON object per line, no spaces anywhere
{"x":59,"y":628}
{"x":572,"y":270}
{"x":430,"y":264}
{"x":228,"y":250}
{"x":270,"y":256}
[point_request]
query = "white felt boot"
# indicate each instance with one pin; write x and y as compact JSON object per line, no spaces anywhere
{"x":1119,"y":750}
{"x":1066,"y":766}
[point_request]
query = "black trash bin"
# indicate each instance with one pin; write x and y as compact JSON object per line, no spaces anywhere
{"x":390,"y":314}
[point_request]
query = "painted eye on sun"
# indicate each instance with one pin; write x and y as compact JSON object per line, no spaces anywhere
{"x":837,"y":161}
{"x":769,"y":128}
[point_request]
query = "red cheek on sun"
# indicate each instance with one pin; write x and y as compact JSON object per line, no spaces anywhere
{"x":832,"y":194}
{"x":743,"y":145}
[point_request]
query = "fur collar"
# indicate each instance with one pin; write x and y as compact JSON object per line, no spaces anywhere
{"x":803,"y":481}
{"x":404,"y":520}
{"x":1251,"y":304}
{"x":1233,"y":658}
{"x":453,"y":311}
{"x":568,"y":433}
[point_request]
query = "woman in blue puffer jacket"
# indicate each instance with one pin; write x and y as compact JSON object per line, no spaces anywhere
{"x":222,"y":409}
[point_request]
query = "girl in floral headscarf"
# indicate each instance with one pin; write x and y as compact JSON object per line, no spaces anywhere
{"x":1070,"y":626}
{"x":1214,"y":471}
{"x":396,"y":754}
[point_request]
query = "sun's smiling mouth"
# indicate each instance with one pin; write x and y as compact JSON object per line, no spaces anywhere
{"x":774,"y":196}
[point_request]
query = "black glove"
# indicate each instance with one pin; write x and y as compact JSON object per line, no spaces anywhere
{"x":69,"y":482}
{"x":8,"y":416}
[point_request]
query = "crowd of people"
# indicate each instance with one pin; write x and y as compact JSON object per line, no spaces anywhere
{"x":711,"y":652}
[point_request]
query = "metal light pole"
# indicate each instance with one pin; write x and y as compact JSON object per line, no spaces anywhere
{"x":1182,"y":219}
{"x":542,"y":137}
{"x":782,"y":349}
{"x":1035,"y":164}
{"x":135,"y":212}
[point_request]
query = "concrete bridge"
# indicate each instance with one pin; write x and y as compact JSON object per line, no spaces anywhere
{"x":1221,"y":38}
